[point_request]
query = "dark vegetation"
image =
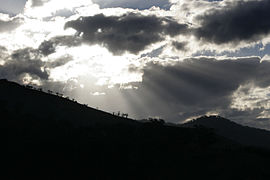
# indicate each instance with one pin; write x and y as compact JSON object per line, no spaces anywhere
{"x":50,"y":137}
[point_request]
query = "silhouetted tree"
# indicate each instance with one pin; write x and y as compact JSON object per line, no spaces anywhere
{"x":28,"y":86}
{"x":125,"y":115}
{"x":157,"y":121}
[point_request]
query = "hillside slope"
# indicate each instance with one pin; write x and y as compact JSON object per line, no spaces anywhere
{"x":22,"y":102}
{"x":54,"y":138}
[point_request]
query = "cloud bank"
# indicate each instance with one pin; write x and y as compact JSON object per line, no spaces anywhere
{"x":238,"y":21}
{"x":130,"y":32}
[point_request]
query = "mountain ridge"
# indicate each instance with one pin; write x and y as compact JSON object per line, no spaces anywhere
{"x":243,"y":134}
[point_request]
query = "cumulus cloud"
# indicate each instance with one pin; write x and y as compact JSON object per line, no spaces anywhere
{"x":9,"y":25}
{"x":135,"y":4}
{"x":235,"y":22}
{"x":130,"y":32}
{"x":48,"y":47}
{"x":30,"y":62}
{"x":45,"y":9}
{"x":22,"y":62}
{"x":36,"y":3}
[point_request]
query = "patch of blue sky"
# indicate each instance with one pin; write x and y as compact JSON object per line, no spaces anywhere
{"x":256,"y":50}
{"x":134,"y":4}
{"x":12,"y":7}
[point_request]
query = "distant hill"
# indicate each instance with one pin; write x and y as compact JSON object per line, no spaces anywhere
{"x":231,"y":130}
{"x":51,"y":137}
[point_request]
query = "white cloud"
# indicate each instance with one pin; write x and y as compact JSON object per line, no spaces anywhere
{"x":249,"y":97}
{"x":32,"y":32}
{"x":51,"y":7}
{"x":97,"y":62}
{"x":98,"y":94}
{"x":266,"y":58}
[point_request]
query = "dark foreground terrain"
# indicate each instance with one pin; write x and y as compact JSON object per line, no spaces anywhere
{"x":242,"y":134}
{"x":50,"y":137}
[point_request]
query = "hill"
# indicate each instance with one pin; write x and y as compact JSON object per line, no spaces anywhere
{"x":242,"y":134}
{"x":50,"y":137}
{"x":26,"y":101}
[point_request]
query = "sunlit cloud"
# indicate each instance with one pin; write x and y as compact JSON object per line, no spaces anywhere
{"x":95,"y":61}
{"x":250,"y":97}
{"x":266,"y":58}
{"x":51,"y":7}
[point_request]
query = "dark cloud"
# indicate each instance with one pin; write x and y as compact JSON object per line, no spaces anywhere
{"x":196,"y":86}
{"x":49,"y":47}
{"x":134,"y":4}
{"x":240,"y":21}
{"x":2,"y":49}
{"x":130,"y":32}
{"x":199,"y":81}
{"x":132,"y":68}
{"x":29,"y":60}
{"x":180,"y":46}
{"x":3,"y":53}
{"x":63,"y":13}
{"x":21,"y":62}
{"x":36,"y":3}
{"x":9,"y":25}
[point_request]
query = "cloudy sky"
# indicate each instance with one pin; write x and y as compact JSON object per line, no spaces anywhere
{"x":173,"y":59}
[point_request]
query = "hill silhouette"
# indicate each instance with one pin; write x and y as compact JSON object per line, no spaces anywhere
{"x":50,"y":137}
{"x":47,"y":106}
{"x":243,"y":134}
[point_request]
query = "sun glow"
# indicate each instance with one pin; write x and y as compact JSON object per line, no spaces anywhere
{"x":95,"y":61}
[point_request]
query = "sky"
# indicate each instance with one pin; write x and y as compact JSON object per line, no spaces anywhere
{"x":170,"y":59}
